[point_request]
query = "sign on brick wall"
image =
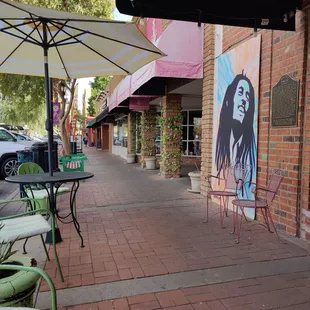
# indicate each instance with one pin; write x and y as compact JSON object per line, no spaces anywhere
{"x":285,"y":102}
{"x":236,"y":112}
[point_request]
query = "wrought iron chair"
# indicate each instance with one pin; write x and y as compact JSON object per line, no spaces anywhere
{"x":42,"y":273}
{"x":234,"y":179}
{"x":29,"y":224}
{"x":262,"y":203}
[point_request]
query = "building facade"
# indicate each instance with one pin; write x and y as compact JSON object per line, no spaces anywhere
{"x":183,"y":113}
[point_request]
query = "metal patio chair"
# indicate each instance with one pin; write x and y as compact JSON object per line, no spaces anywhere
{"x":29,"y":224}
{"x":234,"y":179}
{"x":263,"y":203}
{"x":42,"y":273}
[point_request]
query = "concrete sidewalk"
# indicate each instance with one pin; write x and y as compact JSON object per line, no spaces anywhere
{"x":146,"y":247}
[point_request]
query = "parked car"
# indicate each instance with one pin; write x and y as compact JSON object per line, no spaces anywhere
{"x":8,"y":157}
{"x":21,"y":136}
{"x":56,"y":138}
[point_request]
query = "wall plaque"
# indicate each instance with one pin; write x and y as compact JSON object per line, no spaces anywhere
{"x":285,"y":102}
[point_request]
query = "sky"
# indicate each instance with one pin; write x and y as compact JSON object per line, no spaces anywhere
{"x":84,"y":83}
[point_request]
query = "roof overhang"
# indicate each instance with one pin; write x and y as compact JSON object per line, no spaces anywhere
{"x":268,"y":14}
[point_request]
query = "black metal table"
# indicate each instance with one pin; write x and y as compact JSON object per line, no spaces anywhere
{"x":54,"y":181}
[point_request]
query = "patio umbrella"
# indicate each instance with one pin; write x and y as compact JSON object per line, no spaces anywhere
{"x":53,"y":44}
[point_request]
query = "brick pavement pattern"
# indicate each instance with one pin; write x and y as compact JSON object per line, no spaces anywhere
{"x":286,"y":292}
{"x":128,"y":242}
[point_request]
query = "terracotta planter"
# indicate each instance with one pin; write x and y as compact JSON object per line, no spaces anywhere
{"x":195,"y":181}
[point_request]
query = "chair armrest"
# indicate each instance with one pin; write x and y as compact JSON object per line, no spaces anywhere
{"x":42,"y":273}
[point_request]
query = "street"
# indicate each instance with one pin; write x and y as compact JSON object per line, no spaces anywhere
{"x":6,"y":189}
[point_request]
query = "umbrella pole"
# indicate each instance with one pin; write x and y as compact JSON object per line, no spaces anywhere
{"x":49,"y":122}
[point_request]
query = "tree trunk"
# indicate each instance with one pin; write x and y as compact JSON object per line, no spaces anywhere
{"x":64,"y":136}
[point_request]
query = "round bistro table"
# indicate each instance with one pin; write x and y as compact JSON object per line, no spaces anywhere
{"x":54,"y":182}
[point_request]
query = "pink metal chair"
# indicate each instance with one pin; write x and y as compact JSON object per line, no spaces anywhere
{"x":261,"y":203}
{"x":234,"y":178}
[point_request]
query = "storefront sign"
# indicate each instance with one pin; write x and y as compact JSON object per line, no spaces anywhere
{"x":285,"y":102}
{"x":139,"y":103}
{"x":56,"y":113}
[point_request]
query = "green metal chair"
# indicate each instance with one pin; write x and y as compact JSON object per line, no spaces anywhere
{"x":42,"y":273}
{"x":37,"y":191}
{"x":29,"y":224}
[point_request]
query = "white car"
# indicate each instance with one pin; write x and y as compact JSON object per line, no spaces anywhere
{"x":8,"y":147}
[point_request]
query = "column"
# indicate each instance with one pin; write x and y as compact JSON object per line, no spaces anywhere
{"x":171,"y":126}
{"x":132,"y":133}
{"x":148,"y":133}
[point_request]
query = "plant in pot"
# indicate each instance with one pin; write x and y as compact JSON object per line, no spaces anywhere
{"x":195,"y":181}
{"x":17,"y":287}
{"x":148,"y":152}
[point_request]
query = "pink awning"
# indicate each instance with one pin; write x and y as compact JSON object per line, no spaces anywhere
{"x":120,"y":93}
{"x":183,"y":43}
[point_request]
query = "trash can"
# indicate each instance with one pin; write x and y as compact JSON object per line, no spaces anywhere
{"x":24,"y":156}
{"x":55,"y":157}
{"x":39,"y":155}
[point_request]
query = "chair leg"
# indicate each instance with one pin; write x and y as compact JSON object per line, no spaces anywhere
{"x":207,"y":212}
{"x":222,"y":212}
{"x":24,"y":246}
{"x":45,"y":249}
{"x":55,"y":250}
{"x":265,"y":215}
{"x":239,"y":228}
{"x":272,"y":223}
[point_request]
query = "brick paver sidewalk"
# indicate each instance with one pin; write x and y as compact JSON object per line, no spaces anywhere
{"x":161,"y":247}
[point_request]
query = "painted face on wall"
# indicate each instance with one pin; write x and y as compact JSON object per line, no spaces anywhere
{"x":241,"y":100}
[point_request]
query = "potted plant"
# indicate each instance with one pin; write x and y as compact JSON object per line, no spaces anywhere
{"x":195,"y":181}
{"x":17,"y":287}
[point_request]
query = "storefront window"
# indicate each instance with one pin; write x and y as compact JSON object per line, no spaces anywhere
{"x":158,"y":135}
{"x":138,"y":135}
{"x":191,"y":144}
{"x":120,"y":134}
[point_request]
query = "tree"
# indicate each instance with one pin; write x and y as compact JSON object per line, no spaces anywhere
{"x":27,"y":92}
{"x":97,"y":86}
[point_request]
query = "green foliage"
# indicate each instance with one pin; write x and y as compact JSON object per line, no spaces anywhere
{"x":25,"y":95}
{"x":97,"y":86}
{"x":171,"y":139}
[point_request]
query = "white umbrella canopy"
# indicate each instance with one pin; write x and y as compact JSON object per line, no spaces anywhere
{"x":78,"y":46}
{"x":43,"y":42}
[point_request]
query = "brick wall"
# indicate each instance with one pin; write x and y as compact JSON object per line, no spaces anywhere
{"x":207,"y":106}
{"x":305,"y":193}
{"x":281,"y":53}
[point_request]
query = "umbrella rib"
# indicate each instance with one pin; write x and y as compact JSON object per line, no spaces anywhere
{"x":93,"y":50}
{"x":22,"y":38}
{"x":37,"y":26}
{"x":114,"y":40}
{"x":15,"y":49}
{"x":22,"y":32}
{"x":55,"y":35}
{"x":59,"y":54}
{"x":62,"y":42}
{"x":18,"y":25}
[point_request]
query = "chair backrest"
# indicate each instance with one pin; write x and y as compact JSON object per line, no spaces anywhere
{"x":235,"y":177}
{"x":29,"y":168}
{"x":273,"y":185}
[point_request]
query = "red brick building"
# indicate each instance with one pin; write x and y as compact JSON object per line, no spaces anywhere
{"x":282,"y":53}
